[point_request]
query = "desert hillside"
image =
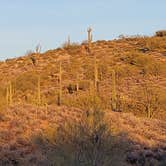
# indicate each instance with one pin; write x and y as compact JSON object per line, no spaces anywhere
{"x":138,"y":63}
{"x":105,"y":98}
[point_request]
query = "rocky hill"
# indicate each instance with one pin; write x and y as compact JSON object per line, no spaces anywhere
{"x":125,"y":79}
{"x":139,"y":64}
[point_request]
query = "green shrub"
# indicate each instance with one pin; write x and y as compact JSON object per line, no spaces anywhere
{"x":26,"y":82}
{"x":146,"y":100}
{"x":137,"y":59}
{"x":87,"y":101}
{"x":156,"y":43}
{"x":84,"y":85}
{"x":161,"y":33}
{"x":89,"y":142}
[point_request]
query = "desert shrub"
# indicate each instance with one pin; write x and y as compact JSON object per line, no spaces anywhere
{"x":84,"y":85}
{"x":141,"y":60}
{"x":74,"y":69}
{"x":147,"y":100}
{"x":156,"y":69}
{"x":26,"y":88}
{"x":161,"y":33}
{"x":103,"y":70}
{"x":124,"y":71}
{"x":145,"y":63}
{"x":161,"y":114}
{"x":86,"y":99}
{"x":83,"y":101}
{"x":90,"y":142}
{"x":156,"y":43}
{"x":137,"y":59}
{"x":26,"y":82}
{"x":88,"y":69}
{"x":163,"y":99}
{"x":71,"y":88}
{"x":33,"y":59}
{"x":50,"y":97}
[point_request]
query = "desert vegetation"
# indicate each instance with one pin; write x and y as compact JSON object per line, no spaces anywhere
{"x":90,"y":104}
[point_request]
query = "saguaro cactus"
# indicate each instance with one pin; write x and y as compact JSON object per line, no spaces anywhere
{"x":38,"y":49}
{"x":60,"y":84}
{"x":89,"y":37}
{"x":38,"y":92}
{"x":96,"y":80}
{"x":68,"y":41}
{"x":149,"y":111}
{"x":9,"y":94}
{"x":77,"y":82}
{"x":114,"y":93}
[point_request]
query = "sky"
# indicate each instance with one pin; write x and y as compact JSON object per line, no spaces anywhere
{"x":26,"y":23}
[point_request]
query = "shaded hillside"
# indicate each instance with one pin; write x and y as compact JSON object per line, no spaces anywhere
{"x":139,"y":64}
{"x":24,"y":128}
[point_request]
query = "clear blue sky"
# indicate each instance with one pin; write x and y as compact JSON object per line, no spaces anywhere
{"x":25,"y":23}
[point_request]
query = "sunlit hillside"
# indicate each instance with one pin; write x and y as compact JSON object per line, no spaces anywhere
{"x":138,"y":63}
{"x":96,"y":103}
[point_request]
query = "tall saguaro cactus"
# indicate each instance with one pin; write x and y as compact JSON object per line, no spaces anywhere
{"x":89,"y":37}
{"x":77,"y":82}
{"x":38,"y":92}
{"x":68,"y":41}
{"x":114,"y":92}
{"x":9,"y":94}
{"x":96,"y":80}
{"x":38,"y":49}
{"x":149,"y":111}
{"x":60,"y":84}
